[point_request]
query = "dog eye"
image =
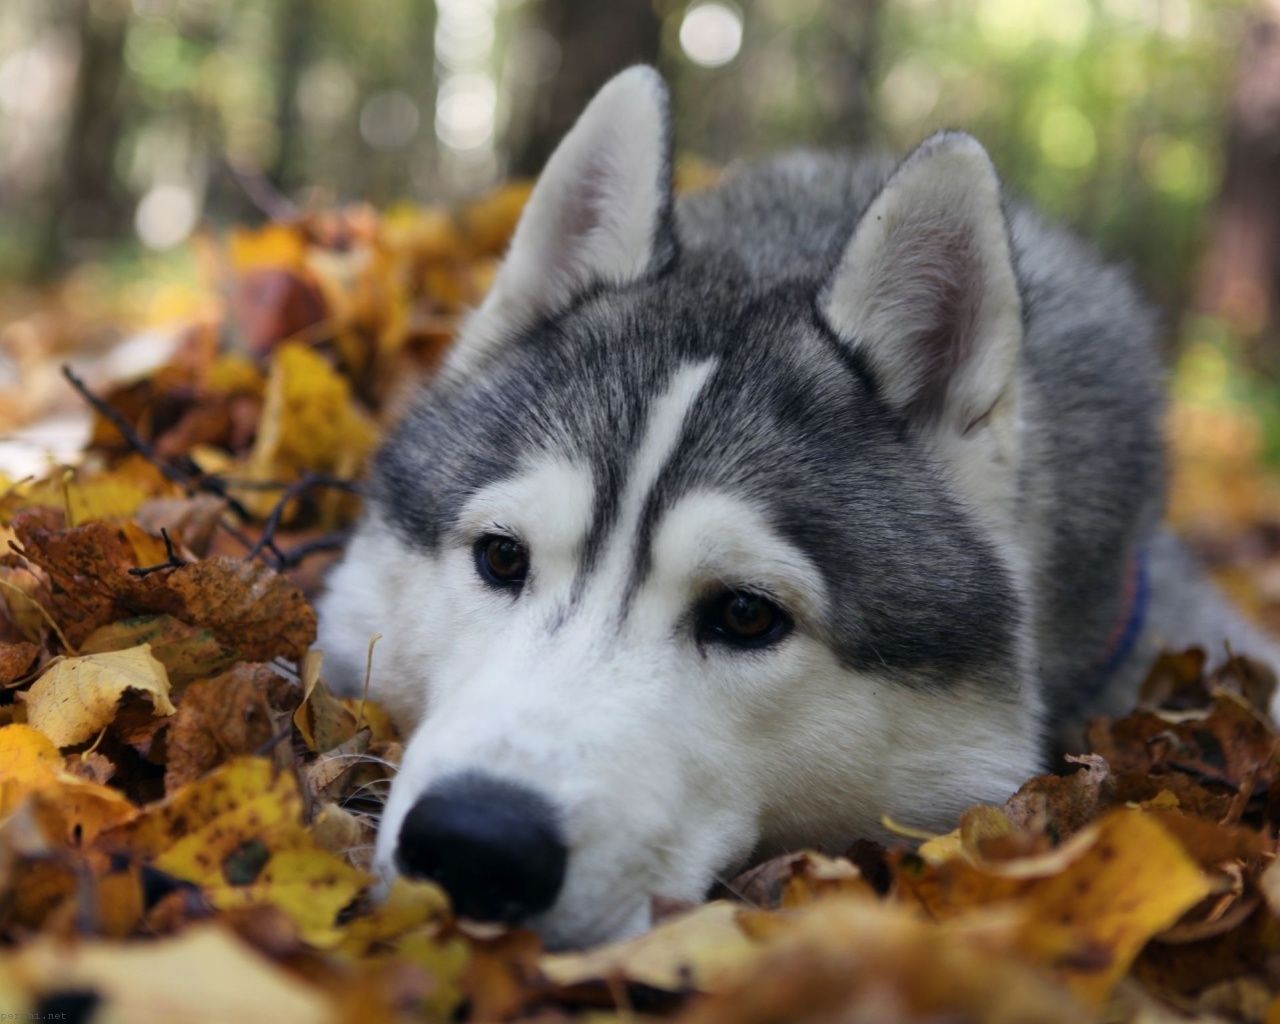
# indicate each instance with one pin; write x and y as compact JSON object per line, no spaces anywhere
{"x":744,"y":619}
{"x":501,"y":561}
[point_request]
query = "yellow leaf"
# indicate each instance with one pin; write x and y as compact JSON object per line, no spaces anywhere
{"x":976,"y":824}
{"x":232,"y":373}
{"x":703,"y":950}
{"x":238,"y":834}
{"x":409,"y":905}
{"x":850,"y":958}
{"x":309,"y":421}
{"x":815,"y":876}
{"x":31,"y":764}
{"x":323,"y":721}
{"x":271,"y":247}
{"x":76,"y":698}
{"x":1110,"y":888}
{"x":203,"y":976}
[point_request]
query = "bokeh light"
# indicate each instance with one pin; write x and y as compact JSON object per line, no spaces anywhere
{"x":166,"y":216}
{"x":711,"y":33}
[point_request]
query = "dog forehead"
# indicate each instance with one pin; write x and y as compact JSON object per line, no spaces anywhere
{"x":581,"y":389}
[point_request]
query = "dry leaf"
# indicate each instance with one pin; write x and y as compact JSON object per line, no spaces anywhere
{"x":246,"y":606}
{"x":703,"y":951}
{"x":239,"y":835}
{"x":187,"y":652}
{"x":16,"y":660}
{"x":231,"y":715}
{"x":31,"y":764}
{"x":851,"y":959}
{"x":1088,"y":907}
{"x":76,"y":698}
{"x":204,"y":976}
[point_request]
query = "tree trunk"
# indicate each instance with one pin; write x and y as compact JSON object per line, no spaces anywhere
{"x":84,"y":202}
{"x":1241,"y":276}
{"x":596,"y":41}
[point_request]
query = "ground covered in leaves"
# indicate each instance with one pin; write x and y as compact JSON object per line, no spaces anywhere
{"x":186,"y":813}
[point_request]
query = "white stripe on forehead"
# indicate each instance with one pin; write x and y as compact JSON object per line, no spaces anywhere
{"x":663,"y":427}
{"x":550,"y":503}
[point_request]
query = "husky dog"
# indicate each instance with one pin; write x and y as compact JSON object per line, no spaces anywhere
{"x":738,"y":522}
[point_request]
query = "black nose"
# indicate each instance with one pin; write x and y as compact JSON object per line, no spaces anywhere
{"x":494,"y":847}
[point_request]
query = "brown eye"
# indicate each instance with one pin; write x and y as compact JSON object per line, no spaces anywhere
{"x":502,"y":561}
{"x":743,"y":619}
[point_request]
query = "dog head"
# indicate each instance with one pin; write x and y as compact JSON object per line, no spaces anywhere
{"x":705,"y":543}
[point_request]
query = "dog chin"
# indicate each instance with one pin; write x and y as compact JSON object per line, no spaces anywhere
{"x":564,"y":932}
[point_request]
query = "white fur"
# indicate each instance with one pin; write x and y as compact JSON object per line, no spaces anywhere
{"x":592,"y":217}
{"x":668,"y":761}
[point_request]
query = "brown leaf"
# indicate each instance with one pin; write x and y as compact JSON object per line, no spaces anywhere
{"x":190,"y":521}
{"x":245,"y":605}
{"x":865,"y":962}
{"x":1061,"y":805}
{"x":1229,"y":743}
{"x":1176,"y":679}
{"x":16,"y":660}
{"x":234,"y":714}
{"x":1089,"y":906}
{"x":187,"y":652}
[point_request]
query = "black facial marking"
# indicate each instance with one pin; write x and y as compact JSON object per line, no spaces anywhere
{"x":792,"y":423}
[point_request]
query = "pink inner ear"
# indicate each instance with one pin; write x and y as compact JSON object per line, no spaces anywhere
{"x":582,"y":208}
{"x":954,"y":282}
{"x":934,"y":299}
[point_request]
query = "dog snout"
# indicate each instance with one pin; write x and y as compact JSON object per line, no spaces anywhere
{"x":495,"y":847}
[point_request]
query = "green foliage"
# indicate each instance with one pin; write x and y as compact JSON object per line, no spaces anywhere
{"x":1109,"y":114}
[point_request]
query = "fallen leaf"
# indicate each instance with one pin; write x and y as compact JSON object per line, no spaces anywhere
{"x":204,"y":976}
{"x":245,"y":605}
{"x":76,"y":698}
{"x":323,"y":721}
{"x":231,"y":715}
{"x":851,"y":959}
{"x":187,"y":652}
{"x":31,"y":764}
{"x":16,"y":660}
{"x":703,"y":951}
{"x":238,"y":834}
{"x":309,"y":421}
{"x":1089,"y":906}
{"x":1060,"y":805}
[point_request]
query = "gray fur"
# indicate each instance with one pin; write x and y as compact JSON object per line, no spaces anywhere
{"x":795,"y":420}
{"x":928,"y":419}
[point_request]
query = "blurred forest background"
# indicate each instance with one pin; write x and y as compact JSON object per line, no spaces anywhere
{"x":131,"y":129}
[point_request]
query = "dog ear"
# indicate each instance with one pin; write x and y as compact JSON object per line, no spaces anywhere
{"x":600,"y":213}
{"x":926,"y":294}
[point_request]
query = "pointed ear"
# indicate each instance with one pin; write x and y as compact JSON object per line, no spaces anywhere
{"x":926,"y":294}
{"x":599,"y":214}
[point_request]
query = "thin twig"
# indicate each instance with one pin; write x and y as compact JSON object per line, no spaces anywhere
{"x":336,"y":541}
{"x":189,"y":482}
{"x":294,"y":490}
{"x":173,"y":561}
{"x":126,"y":429}
{"x":275,"y":741}
{"x":321,"y":480}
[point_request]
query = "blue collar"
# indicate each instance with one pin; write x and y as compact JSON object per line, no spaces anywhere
{"x":1125,"y":636}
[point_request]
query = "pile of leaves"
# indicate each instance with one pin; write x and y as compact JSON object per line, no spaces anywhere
{"x":187,"y":813}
